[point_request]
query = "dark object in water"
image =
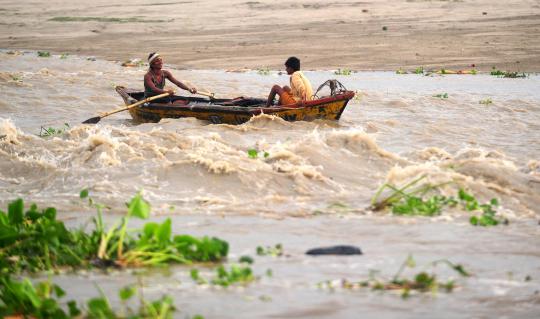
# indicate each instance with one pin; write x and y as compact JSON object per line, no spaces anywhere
{"x":335,"y":250}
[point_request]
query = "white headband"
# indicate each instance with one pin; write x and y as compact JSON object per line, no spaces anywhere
{"x":153,"y":57}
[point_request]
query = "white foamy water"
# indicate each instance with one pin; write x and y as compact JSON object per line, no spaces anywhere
{"x":202,"y":176}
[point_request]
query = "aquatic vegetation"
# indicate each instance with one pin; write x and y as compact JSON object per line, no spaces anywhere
{"x":343,"y":72}
{"x":35,"y":241}
{"x":155,"y":244}
{"x":104,"y":19}
{"x":16,"y":78}
{"x":134,"y":63}
{"x":263,"y":71}
{"x":100,"y":307}
{"x":413,"y":203}
{"x":237,"y":274}
{"x":51,"y":131}
{"x":275,"y":251}
{"x":441,"y":95}
{"x":43,"y":300}
{"x":246,"y":260}
{"x":505,"y":74}
{"x":419,"y":70}
{"x":253,"y":153}
{"x":474,"y":72}
{"x":401,"y":71}
{"x":44,"y":54}
{"x":487,"y":101}
{"x":488,"y":216}
{"x":421,"y":282}
{"x":23,"y":299}
{"x":64,"y":56}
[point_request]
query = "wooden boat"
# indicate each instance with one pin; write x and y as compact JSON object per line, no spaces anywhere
{"x":239,"y":110}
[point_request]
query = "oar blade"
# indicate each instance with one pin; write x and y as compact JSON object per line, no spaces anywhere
{"x":93,"y":120}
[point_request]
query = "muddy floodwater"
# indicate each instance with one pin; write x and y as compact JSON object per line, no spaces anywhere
{"x":313,"y":189}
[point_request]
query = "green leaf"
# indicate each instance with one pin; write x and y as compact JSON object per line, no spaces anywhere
{"x":58,"y":291}
{"x":138,"y":207}
{"x":15,"y":211}
{"x":246,"y":259}
{"x":164,"y":231}
{"x":84,"y":193}
{"x":465,"y":196}
{"x":150,"y":230}
{"x":74,"y":311}
{"x":194,"y":273}
{"x":50,"y":213}
{"x":252,"y":153}
{"x":127,"y":292}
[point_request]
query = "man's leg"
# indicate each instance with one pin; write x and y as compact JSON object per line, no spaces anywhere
{"x":276,"y":90}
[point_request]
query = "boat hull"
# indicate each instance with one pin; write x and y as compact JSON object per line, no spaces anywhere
{"x":328,"y":108}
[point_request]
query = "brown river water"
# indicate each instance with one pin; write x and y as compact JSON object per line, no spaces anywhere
{"x":314,"y":188}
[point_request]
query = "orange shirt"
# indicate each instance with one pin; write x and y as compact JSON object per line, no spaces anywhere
{"x":301,"y":87}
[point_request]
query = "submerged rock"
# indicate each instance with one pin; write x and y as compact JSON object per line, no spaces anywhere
{"x":335,"y":250}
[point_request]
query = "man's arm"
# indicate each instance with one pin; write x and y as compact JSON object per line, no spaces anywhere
{"x":178,"y":83}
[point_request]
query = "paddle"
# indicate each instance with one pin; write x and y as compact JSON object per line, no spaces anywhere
{"x":96,"y":119}
{"x":210,"y":95}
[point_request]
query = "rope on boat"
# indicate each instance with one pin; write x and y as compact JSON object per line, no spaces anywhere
{"x":335,"y":88}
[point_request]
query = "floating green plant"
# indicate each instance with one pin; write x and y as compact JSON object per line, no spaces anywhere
{"x":264,"y":71}
{"x":421,"y":282}
{"x":275,"y":251}
{"x":343,"y":72}
{"x":506,"y":74}
{"x":52,"y":131}
{"x":35,"y":241}
{"x":401,"y":71}
{"x":419,"y":70}
{"x":44,"y":54}
{"x":22,"y":299}
{"x":236,"y":274}
{"x":253,"y":153}
{"x":64,"y":56}
{"x":411,"y":201}
{"x":441,"y":95}
{"x":487,"y":101}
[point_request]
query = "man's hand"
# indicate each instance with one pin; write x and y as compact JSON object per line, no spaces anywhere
{"x":170,"y":91}
{"x":193,"y":90}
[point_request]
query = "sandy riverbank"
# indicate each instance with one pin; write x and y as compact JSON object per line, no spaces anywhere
{"x":235,"y":34}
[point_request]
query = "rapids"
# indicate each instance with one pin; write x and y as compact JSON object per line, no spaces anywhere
{"x":314,"y":188}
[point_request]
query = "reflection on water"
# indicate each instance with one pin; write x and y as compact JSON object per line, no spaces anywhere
{"x":201,"y":174}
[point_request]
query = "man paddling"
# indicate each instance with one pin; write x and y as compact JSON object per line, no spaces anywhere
{"x":300,"y":89}
{"x":154,"y":79}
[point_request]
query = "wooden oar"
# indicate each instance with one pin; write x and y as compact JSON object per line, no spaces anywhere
{"x":210,"y":95}
{"x":96,"y":119}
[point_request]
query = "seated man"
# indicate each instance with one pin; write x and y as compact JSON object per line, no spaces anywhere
{"x":154,"y":80}
{"x":300,"y":89}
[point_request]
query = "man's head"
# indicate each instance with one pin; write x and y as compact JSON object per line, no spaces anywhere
{"x":292,"y":65}
{"x":154,"y":59}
